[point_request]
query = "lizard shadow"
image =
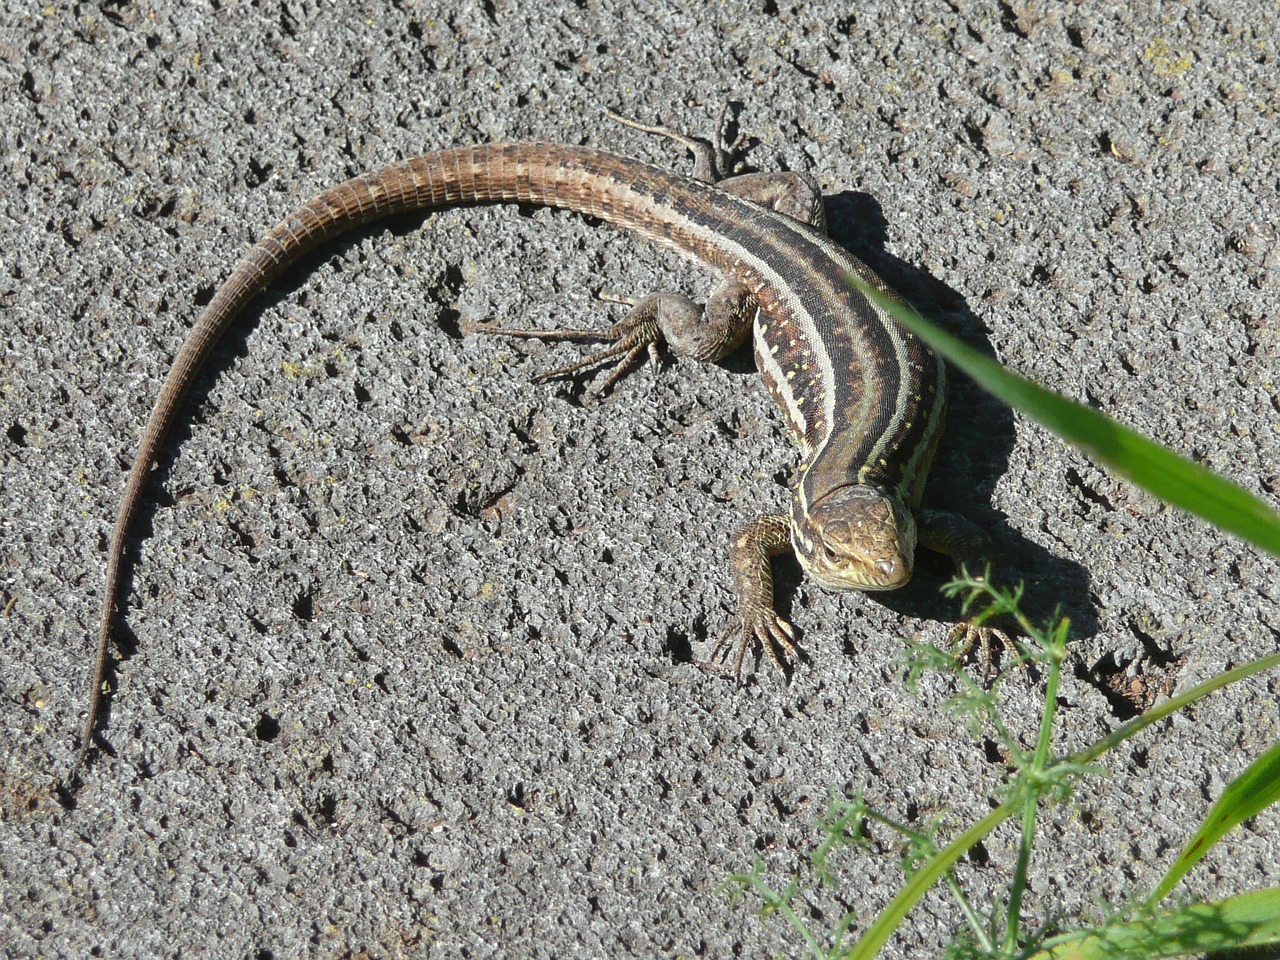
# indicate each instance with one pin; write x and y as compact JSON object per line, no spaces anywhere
{"x":974,"y":452}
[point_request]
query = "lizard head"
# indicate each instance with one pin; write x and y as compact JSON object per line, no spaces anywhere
{"x":856,"y":538}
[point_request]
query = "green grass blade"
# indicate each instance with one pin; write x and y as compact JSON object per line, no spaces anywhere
{"x":1247,"y":795}
{"x":1135,"y":726}
{"x":1249,"y":920}
{"x":1172,"y":478}
{"x":924,"y":878}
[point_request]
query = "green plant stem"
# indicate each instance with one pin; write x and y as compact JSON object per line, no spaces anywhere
{"x":1118,"y":736}
{"x":883,"y":926}
{"x":1033,"y":784}
{"x":970,"y":915}
{"x":783,"y":905}
{"x":922,"y":880}
{"x":922,"y":839}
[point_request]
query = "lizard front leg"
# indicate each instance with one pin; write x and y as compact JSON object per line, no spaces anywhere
{"x":968,"y":546}
{"x":750,"y":551}
{"x":954,"y":536}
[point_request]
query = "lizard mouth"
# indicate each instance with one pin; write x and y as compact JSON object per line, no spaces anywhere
{"x":886,"y":572}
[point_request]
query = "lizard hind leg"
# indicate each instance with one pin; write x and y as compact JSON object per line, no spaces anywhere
{"x":714,"y":157}
{"x":705,"y":334}
{"x":628,"y":341}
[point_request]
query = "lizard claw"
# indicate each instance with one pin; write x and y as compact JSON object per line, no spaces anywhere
{"x":765,"y":629}
{"x":631,"y":339}
{"x":967,"y":636}
{"x":714,"y":157}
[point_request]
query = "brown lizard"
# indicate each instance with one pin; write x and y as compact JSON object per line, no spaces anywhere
{"x":863,"y":398}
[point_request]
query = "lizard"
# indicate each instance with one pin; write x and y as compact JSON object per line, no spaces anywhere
{"x":863,"y":398}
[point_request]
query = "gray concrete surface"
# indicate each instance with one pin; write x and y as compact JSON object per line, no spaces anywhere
{"x":413,"y":645}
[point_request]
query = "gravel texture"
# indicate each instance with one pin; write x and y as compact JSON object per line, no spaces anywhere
{"x":413,"y":648}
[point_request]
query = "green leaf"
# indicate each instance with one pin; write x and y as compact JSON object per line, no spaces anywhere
{"x":1247,"y":795}
{"x":1249,"y":920}
{"x":1172,"y":478}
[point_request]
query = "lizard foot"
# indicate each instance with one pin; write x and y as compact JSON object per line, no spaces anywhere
{"x":967,"y":636}
{"x":628,"y":341}
{"x":714,"y":157}
{"x":764,"y":629}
